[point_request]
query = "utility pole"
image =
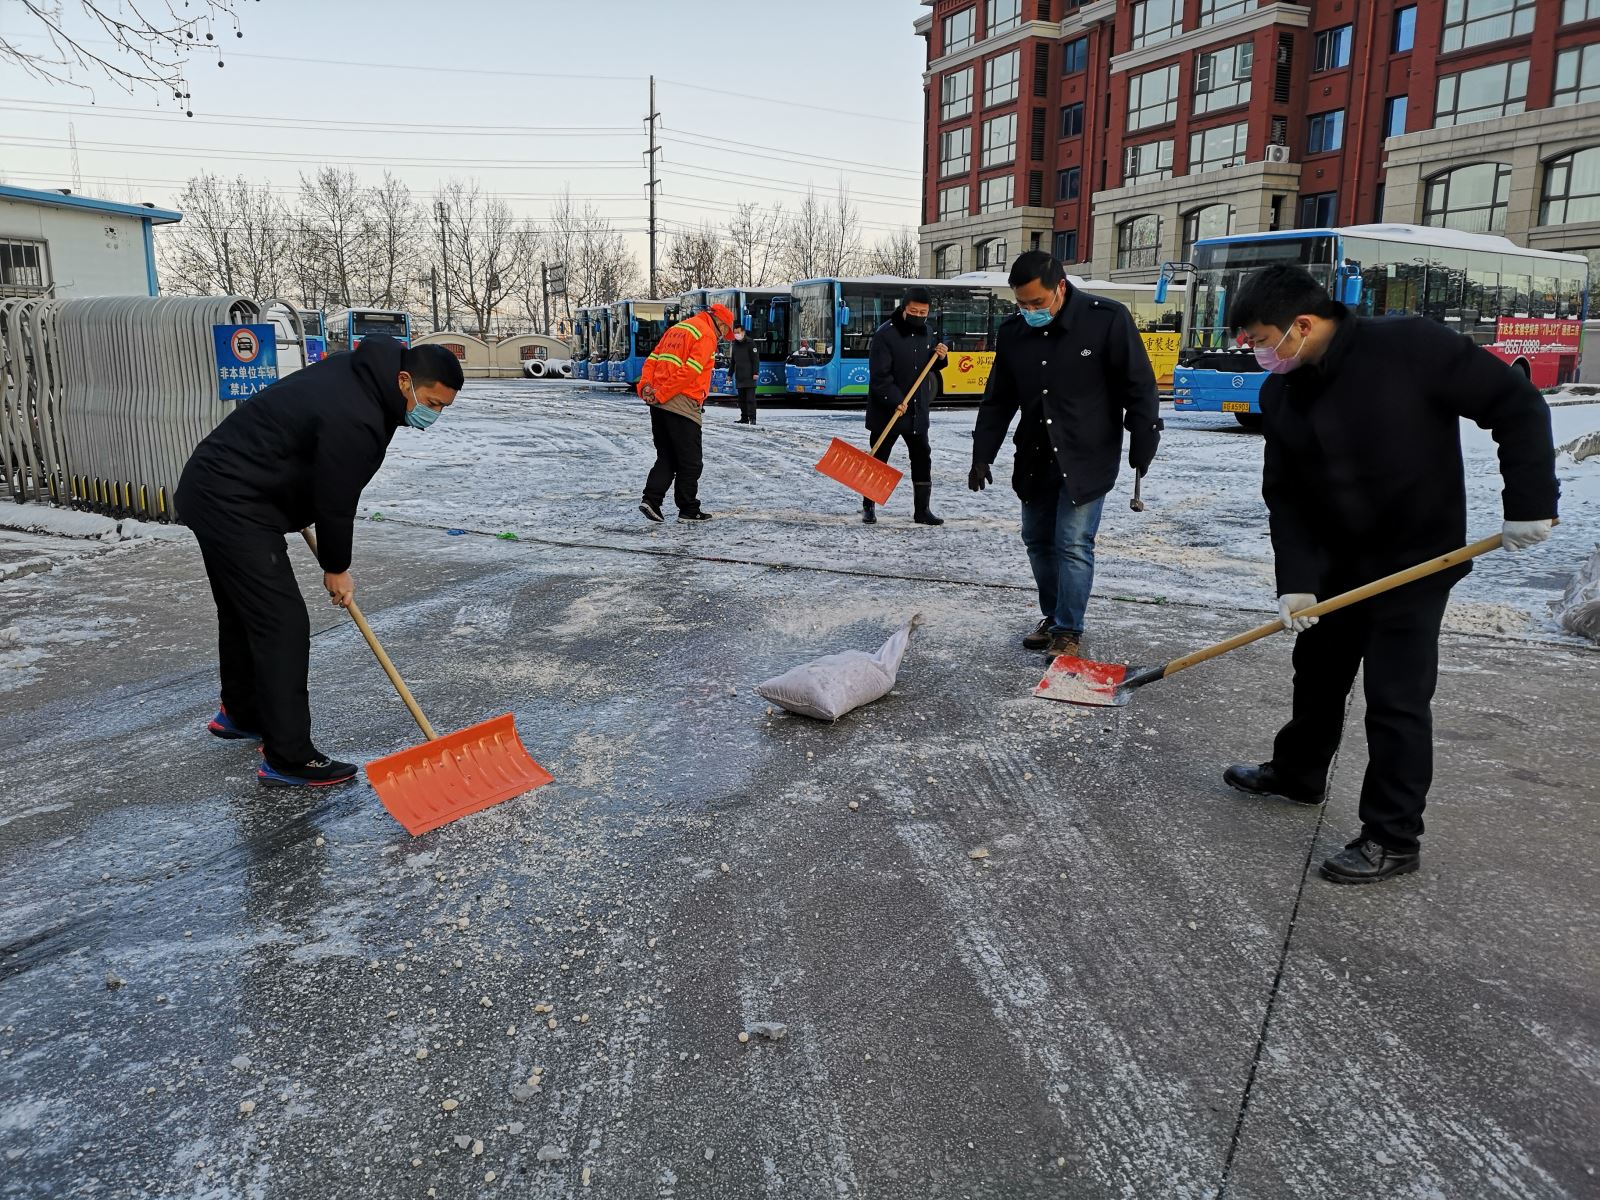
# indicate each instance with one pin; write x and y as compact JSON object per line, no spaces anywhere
{"x":444,"y":263}
{"x":655,"y":180}
{"x":227,"y":264}
{"x":77,"y":175}
{"x":433,"y":280}
{"x":544,"y":291}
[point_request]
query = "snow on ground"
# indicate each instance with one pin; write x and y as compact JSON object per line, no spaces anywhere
{"x":565,"y":462}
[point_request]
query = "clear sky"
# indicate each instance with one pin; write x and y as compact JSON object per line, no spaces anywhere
{"x":758,"y":101}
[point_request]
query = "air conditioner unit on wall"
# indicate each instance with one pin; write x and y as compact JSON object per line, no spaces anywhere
{"x":1277,"y":154}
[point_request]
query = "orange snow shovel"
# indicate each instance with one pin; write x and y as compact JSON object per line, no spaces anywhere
{"x":859,"y":470}
{"x":430,"y":785}
{"x":1080,"y":681}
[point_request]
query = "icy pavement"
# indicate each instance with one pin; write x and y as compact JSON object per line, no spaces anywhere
{"x":207,"y":990}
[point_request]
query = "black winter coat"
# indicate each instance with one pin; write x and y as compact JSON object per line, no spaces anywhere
{"x":896,"y":356}
{"x":744,"y":360}
{"x":1363,"y":473}
{"x":1079,"y":382}
{"x":299,"y":452}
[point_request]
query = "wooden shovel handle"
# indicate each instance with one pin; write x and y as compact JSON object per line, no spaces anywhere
{"x":1334,"y":603}
{"x":911,"y":398}
{"x":378,"y":653}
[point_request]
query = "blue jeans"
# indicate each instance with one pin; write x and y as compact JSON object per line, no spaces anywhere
{"x":1060,"y":536}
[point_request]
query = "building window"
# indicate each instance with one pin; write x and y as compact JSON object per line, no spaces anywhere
{"x":1152,"y":160}
{"x":955,"y":151}
{"x":1213,"y":11}
{"x":1156,"y":21}
{"x":954,"y":202}
{"x":1571,"y":189}
{"x":1474,"y":22}
{"x":1075,"y":56}
{"x":1498,"y":90}
{"x":1071,"y":119}
{"x":1472,"y":199}
{"x":1317,"y":212}
{"x":947,"y":260}
{"x":1139,"y":242}
{"x":1394,"y":116}
{"x":1004,"y":16}
{"x":1000,"y":78}
{"x":24,"y":268}
{"x":1069,"y":184}
{"x":1327,"y":132}
{"x":1573,"y":11}
{"x":1153,"y":98}
{"x":1000,"y":141}
{"x":1064,"y":246}
{"x":955,"y":95}
{"x":995,"y":195}
{"x":1578,"y":75}
{"x":960,"y":30}
{"x":1222,"y":77}
{"x":1213,"y":149}
{"x":990,"y":255}
{"x":1405,"y":30}
{"x":1332,"y":49}
{"x":1215,"y":220}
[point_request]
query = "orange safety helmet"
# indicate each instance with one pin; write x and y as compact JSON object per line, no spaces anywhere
{"x":722,"y":313}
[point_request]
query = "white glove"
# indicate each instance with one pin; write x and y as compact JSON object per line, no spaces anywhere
{"x":1519,"y":535}
{"x":1293,"y":603}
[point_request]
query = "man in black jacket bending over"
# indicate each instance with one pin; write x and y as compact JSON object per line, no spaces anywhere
{"x":900,"y":349}
{"x":1075,"y":366}
{"x":294,"y":455}
{"x":1363,"y":477}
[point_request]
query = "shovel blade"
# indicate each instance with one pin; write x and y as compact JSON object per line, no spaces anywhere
{"x":1081,"y":681}
{"x":859,"y":471}
{"x":430,"y":785}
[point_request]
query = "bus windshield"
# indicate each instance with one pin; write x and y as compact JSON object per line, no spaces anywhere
{"x":367,"y":322}
{"x":580,"y":336}
{"x":811,"y":323}
{"x":617,"y":331}
{"x":769,"y":323}
{"x":1221,"y":267}
{"x":311,"y":322}
{"x":652,"y":317}
{"x":966,"y":318}
{"x":870,"y":305}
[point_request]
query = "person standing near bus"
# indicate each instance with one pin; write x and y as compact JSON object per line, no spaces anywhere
{"x":675,"y":382}
{"x":1363,"y":477}
{"x":1076,"y":368}
{"x":744,"y":364}
{"x":900,"y":348}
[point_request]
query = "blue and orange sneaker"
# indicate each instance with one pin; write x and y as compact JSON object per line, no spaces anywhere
{"x":319,"y":772}
{"x":222,"y":726}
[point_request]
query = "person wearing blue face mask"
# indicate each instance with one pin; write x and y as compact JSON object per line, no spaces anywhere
{"x":298,"y":453}
{"x":1074,"y":366}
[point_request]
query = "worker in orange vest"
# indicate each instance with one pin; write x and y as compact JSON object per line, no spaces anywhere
{"x":675,"y":382}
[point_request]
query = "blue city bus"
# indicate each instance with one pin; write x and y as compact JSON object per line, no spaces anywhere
{"x":581,"y":344}
{"x":347,"y":326}
{"x":1526,"y":307}
{"x":636,"y":327}
{"x":689,"y":303}
{"x":599,"y":345}
{"x":764,"y":313}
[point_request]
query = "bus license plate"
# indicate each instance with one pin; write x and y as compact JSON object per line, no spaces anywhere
{"x":1236,"y":406}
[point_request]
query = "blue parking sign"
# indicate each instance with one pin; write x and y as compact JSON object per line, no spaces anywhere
{"x":247,"y":360}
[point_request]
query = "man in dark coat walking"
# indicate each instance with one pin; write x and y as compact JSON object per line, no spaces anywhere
{"x":1363,"y":477}
{"x":900,"y":348}
{"x":296,"y":454}
{"x":1076,"y":368}
{"x":744,"y":364}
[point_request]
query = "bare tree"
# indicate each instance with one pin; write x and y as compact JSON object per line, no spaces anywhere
{"x":336,"y":214}
{"x":897,"y":254}
{"x":753,"y":246}
{"x":692,"y":260}
{"x":260,"y":239}
{"x":805,"y":240}
{"x":600,"y":267}
{"x":488,"y":248}
{"x":235,"y":239}
{"x":398,"y":244}
{"x":147,"y":51}
{"x":842,"y":234}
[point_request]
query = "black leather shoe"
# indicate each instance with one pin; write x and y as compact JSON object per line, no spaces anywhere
{"x":694,"y":517}
{"x":1264,"y":781}
{"x":1039,"y":638}
{"x":1365,"y":861}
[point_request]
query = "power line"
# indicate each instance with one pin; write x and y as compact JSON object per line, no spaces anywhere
{"x":787,"y":102}
{"x":213,"y":152}
{"x":713,"y":174}
{"x":743,"y":148}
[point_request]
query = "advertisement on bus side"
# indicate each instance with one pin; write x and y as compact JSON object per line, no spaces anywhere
{"x":1519,"y":337}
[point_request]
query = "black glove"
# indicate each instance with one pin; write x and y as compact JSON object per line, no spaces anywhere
{"x":1142,"y":443}
{"x":979,"y":475}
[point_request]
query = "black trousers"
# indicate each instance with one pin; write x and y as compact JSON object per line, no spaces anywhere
{"x":679,"y":461}
{"x":917,"y":446}
{"x":263,"y":639}
{"x":747,"y":403}
{"x":1394,"y":640}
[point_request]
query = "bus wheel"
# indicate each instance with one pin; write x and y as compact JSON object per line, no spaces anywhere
{"x":1250,"y":421}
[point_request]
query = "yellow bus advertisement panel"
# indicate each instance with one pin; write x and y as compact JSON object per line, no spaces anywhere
{"x":967,"y":372}
{"x":1162,"y":347}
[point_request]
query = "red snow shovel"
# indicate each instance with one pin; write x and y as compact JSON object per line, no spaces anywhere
{"x":430,"y":785}
{"x":1080,"y":681}
{"x":859,"y":470}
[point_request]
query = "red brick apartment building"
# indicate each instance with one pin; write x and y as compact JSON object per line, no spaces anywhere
{"x":1116,"y":132}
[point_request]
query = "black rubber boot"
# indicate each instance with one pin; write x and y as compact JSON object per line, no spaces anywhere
{"x":869,"y":512}
{"x":924,"y":514}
